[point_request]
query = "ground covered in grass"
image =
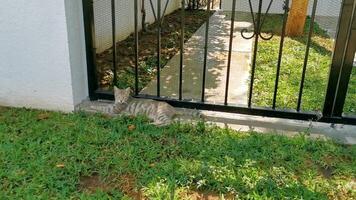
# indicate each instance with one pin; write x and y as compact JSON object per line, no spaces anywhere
{"x":291,"y":69}
{"x":350,"y":102}
{"x":49,"y":155}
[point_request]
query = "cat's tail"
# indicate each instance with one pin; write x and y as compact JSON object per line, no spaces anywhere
{"x":97,"y":107}
{"x":191,"y":114}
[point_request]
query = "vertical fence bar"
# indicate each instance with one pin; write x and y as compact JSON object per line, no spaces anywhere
{"x":311,"y":30}
{"x":181,"y":51}
{"x":255,"y":53}
{"x":230,"y":51}
{"x":285,"y":15}
{"x":136,"y":47}
{"x":346,"y":68}
{"x":205,"y":51}
{"x":153,"y":10}
{"x":220,"y":4}
{"x":88,"y":15}
{"x":158,"y":48}
{"x":338,"y":56}
{"x":165,"y":8}
{"x":114,"y":56}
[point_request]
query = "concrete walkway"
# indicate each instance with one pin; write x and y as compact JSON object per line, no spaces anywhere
{"x":218,"y":46}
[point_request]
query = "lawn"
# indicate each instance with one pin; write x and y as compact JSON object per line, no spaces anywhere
{"x":50,"y":155}
{"x":350,"y":102}
{"x":291,"y":69}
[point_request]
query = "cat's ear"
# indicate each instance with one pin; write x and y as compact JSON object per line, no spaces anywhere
{"x":128,"y":90}
{"x":117,"y":92}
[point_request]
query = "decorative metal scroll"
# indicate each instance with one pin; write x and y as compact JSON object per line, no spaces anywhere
{"x":259,"y":21}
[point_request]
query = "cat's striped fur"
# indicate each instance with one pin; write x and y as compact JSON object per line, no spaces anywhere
{"x":161,"y":113}
{"x":104,"y":107}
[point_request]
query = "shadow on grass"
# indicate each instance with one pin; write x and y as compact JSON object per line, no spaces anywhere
{"x":318,"y":66}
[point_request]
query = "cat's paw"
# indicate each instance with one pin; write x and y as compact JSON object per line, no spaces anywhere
{"x":160,"y":124}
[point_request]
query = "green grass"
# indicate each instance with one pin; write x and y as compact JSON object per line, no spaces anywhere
{"x":291,"y":69}
{"x":350,"y":102}
{"x":47,"y":155}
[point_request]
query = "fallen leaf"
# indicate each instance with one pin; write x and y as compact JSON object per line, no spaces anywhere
{"x":60,"y":165}
{"x":42,"y":116}
{"x":131,"y":127}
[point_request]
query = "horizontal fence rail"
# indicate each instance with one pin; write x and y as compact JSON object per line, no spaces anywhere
{"x":339,"y":75}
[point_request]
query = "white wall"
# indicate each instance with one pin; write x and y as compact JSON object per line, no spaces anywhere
{"x":324,"y":8}
{"x":77,"y":54}
{"x":124,"y":19}
{"x":41,"y":56}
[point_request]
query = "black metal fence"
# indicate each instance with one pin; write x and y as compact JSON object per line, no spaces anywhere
{"x":339,"y":77}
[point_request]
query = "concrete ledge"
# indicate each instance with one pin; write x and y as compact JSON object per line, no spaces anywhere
{"x":345,"y":134}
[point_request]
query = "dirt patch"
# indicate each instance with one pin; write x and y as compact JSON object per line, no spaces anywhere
{"x":127,"y":184}
{"x":93,"y":183}
{"x":195,"y":195}
{"x":170,"y":38}
{"x":326,"y":166}
{"x":2,"y":109}
{"x":43,"y":116}
{"x":327,"y":172}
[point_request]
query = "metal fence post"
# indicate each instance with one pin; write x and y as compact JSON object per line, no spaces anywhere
{"x":88,"y":15}
{"x":346,"y":68}
{"x":338,"y":57}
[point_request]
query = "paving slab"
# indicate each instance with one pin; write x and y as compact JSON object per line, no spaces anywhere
{"x":217,"y":62}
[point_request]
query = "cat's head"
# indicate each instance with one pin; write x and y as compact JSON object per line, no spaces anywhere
{"x":122,"y":95}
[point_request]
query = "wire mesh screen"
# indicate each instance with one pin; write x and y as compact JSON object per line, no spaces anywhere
{"x":327,"y":15}
{"x":325,"y":7}
{"x":102,"y":23}
{"x":124,"y":11}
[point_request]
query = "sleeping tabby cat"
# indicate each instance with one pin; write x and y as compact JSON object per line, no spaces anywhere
{"x":161,"y":113}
